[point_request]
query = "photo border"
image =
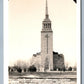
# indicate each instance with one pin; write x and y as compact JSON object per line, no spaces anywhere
{"x":82,"y":42}
{"x":1,"y":42}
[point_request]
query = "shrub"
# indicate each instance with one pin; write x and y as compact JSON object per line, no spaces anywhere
{"x":19,"y":70}
{"x":59,"y":69}
{"x":12,"y":70}
{"x":75,"y":68}
{"x":70,"y":69}
{"x":32,"y":68}
{"x":55,"y":68}
{"x":64,"y":69}
{"x":24,"y":69}
{"x":9,"y":69}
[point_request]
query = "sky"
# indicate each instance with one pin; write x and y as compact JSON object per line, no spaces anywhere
{"x":25,"y":24}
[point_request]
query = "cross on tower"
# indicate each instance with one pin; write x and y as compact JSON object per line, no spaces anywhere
{"x":47,"y":42}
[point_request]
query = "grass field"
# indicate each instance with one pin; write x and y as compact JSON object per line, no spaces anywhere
{"x":43,"y":73}
{"x":57,"y":77}
{"x":56,"y":74}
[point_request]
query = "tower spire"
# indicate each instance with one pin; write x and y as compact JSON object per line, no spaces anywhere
{"x":46,"y":9}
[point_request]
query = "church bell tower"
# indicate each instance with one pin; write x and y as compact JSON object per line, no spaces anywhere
{"x":46,"y":44}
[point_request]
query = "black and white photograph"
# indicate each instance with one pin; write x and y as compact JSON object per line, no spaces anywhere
{"x":43,"y":42}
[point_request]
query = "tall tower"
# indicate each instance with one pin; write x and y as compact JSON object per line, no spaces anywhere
{"x":46,"y":44}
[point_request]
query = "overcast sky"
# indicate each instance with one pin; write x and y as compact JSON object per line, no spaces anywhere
{"x":25,"y":23}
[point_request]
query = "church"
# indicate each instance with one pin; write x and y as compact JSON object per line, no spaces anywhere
{"x":47,"y":59}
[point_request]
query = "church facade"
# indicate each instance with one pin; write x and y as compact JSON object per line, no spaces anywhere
{"x":47,"y":60}
{"x":46,"y":43}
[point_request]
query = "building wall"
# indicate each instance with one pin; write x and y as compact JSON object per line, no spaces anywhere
{"x":46,"y":54}
{"x":58,"y":61}
{"x":36,"y":61}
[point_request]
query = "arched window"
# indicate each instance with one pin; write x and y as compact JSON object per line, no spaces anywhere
{"x":46,"y":25}
{"x":50,"y":25}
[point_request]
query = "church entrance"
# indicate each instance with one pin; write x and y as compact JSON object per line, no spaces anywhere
{"x":46,"y":67}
